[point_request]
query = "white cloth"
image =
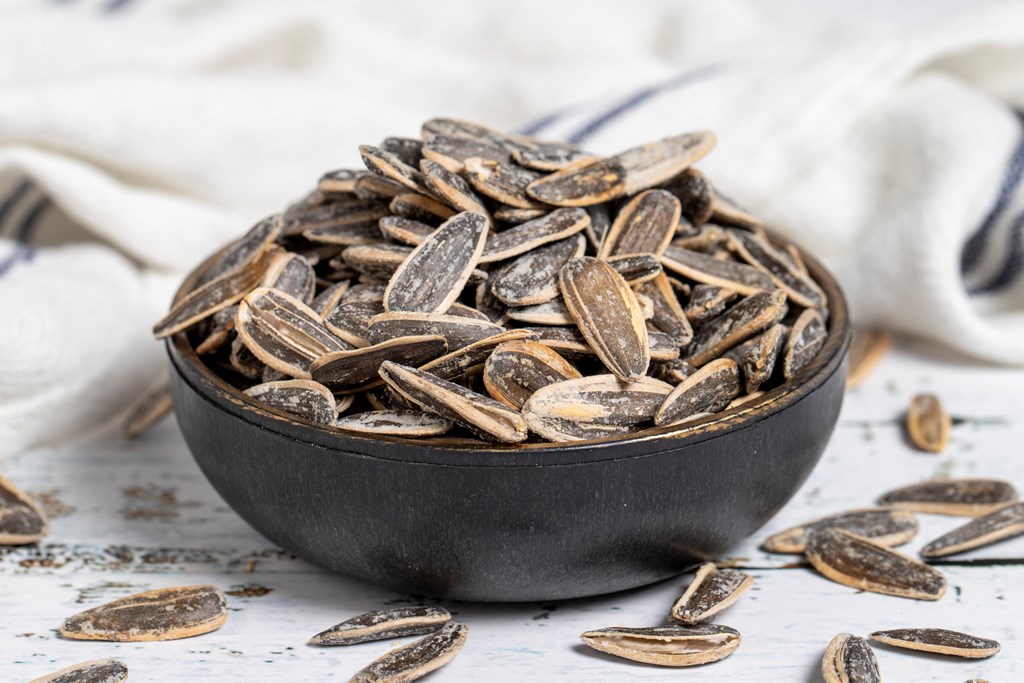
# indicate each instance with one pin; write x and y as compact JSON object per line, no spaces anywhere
{"x":882,"y":136}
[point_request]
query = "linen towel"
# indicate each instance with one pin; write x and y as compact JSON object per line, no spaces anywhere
{"x":137,"y":136}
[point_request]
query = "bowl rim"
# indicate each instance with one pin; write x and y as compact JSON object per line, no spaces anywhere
{"x":466,"y":452}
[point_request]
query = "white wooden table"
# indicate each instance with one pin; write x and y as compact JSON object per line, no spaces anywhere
{"x":132,"y":516}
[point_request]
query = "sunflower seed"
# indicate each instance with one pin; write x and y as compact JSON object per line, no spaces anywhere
{"x":928,"y":423}
{"x":668,"y":315}
{"x":1006,"y":522}
{"x":452,"y":152}
{"x":470,"y":359}
{"x":388,"y":165}
{"x":471,"y":131}
{"x":384,"y":625}
{"x":967,"y":497}
{"x":291,"y":274}
{"x":515,"y":215}
{"x":533,"y":277}
{"x":600,"y":222}
{"x":636,"y":269}
{"x":758,"y":363}
{"x":457,"y":331}
{"x":805,"y":340}
{"x":708,"y":390}
{"x":849,"y":659}
{"x":348,"y":370}
{"x":154,"y":405}
{"x":21,"y":519}
{"x":553,"y":312}
{"x":408,"y":150}
{"x":162,"y":614}
{"x":866,"y":349}
{"x":216,"y":294}
{"x":741,"y":322}
{"x":283,"y":332}
{"x":864,"y":564}
{"x":799,"y":287}
{"x":328,"y":299}
{"x":608,"y":314}
{"x":460,"y":310}
{"x":727,"y":212}
{"x":433,"y":275}
{"x":342,"y":180}
{"x":583,"y":183}
{"x":550,"y":227}
{"x":695,"y":195}
{"x":363,"y":292}
{"x":711,"y":591}
{"x":247,"y":249}
{"x":302,"y":397}
{"x":675,"y":645}
{"x":451,"y":189}
{"x":593,"y":407}
{"x":349,"y":229}
{"x":549,"y":156}
{"x":420,"y":208}
{"x":705,"y":238}
{"x":517,"y":369}
{"x":645,"y":225}
{"x":885,"y":526}
{"x":97,"y":671}
{"x":675,"y":371}
{"x":405,"y":230}
{"x":400,"y":423}
{"x":480,"y":414}
{"x":709,"y":270}
{"x":379,"y":260}
{"x":658,"y":162}
{"x":939,"y":641}
{"x":501,"y":181}
{"x":416,"y":659}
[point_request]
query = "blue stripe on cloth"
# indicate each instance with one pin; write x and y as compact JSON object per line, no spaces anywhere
{"x":11,"y":200}
{"x":23,"y":251}
{"x":977,"y":243}
{"x":638,"y":98}
{"x":1013,"y":263}
{"x":537,"y":125}
{"x":115,"y":5}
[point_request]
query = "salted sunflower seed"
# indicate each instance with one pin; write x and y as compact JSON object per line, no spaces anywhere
{"x":451,"y":189}
{"x":608,"y":315}
{"x":928,"y":423}
{"x":515,"y":215}
{"x":550,"y":227}
{"x":417,"y":659}
{"x":502,"y":181}
{"x":758,"y":362}
{"x":302,"y":397}
{"x":645,"y":225}
{"x":283,"y":332}
{"x":549,"y":156}
{"x":21,"y":519}
{"x":582,"y":183}
{"x":364,"y":292}
{"x":1006,"y":522}
{"x":882,"y":525}
{"x":696,"y":196}
{"x":357,"y":369}
{"x":867,"y":348}
{"x":388,"y":165}
{"x":533,"y":277}
{"x":452,"y":152}
{"x":712,"y":271}
{"x":471,"y":359}
{"x":341,"y":180}
{"x":244,"y":250}
{"x":401,"y":423}
{"x":405,"y":230}
{"x":517,"y":369}
{"x":469,"y":130}
{"x":384,"y":625}
{"x":433,"y":275}
{"x":966,"y":497}
{"x":658,"y":162}
{"x":867,"y":565}
{"x":708,"y":390}
{"x":291,"y":274}
{"x":675,"y":371}
{"x":636,"y":269}
{"x":711,"y":591}
{"x":553,"y":312}
{"x":350,"y":321}
{"x":408,"y":150}
{"x":162,"y":614}
{"x":97,"y":671}
{"x":667,"y":315}
{"x":799,"y":287}
{"x":741,"y":322}
{"x":849,"y":659}
{"x":707,"y":302}
{"x":420,"y":208}
{"x":328,"y":299}
{"x":593,"y":407}
{"x":348,"y":229}
{"x":805,"y":341}
{"x":939,"y":641}
{"x":457,"y":331}
{"x":480,"y":414}
{"x":675,"y":645}
{"x":154,"y":405}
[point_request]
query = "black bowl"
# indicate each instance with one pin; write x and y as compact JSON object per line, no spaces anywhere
{"x":512,"y":523}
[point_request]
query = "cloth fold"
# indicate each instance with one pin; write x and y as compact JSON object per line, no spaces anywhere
{"x":887,"y":138}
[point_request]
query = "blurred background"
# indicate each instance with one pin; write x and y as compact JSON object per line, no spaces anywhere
{"x":136,"y":136}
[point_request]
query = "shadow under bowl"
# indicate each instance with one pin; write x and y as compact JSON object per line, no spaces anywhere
{"x":529,"y":522}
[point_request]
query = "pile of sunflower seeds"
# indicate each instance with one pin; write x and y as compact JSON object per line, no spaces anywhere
{"x":509,"y":287}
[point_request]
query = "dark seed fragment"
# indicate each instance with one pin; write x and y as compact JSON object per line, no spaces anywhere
{"x":162,"y":614}
{"x":695,"y":194}
{"x":939,"y":641}
{"x":416,"y":659}
{"x":384,"y":625}
{"x":97,"y":671}
{"x":711,"y":591}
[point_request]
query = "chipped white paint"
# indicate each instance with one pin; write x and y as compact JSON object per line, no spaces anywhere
{"x":138,"y":516}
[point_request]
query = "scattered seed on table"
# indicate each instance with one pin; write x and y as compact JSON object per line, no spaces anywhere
{"x":162,"y":614}
{"x":384,"y":625}
{"x":675,"y":645}
{"x":938,"y":641}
